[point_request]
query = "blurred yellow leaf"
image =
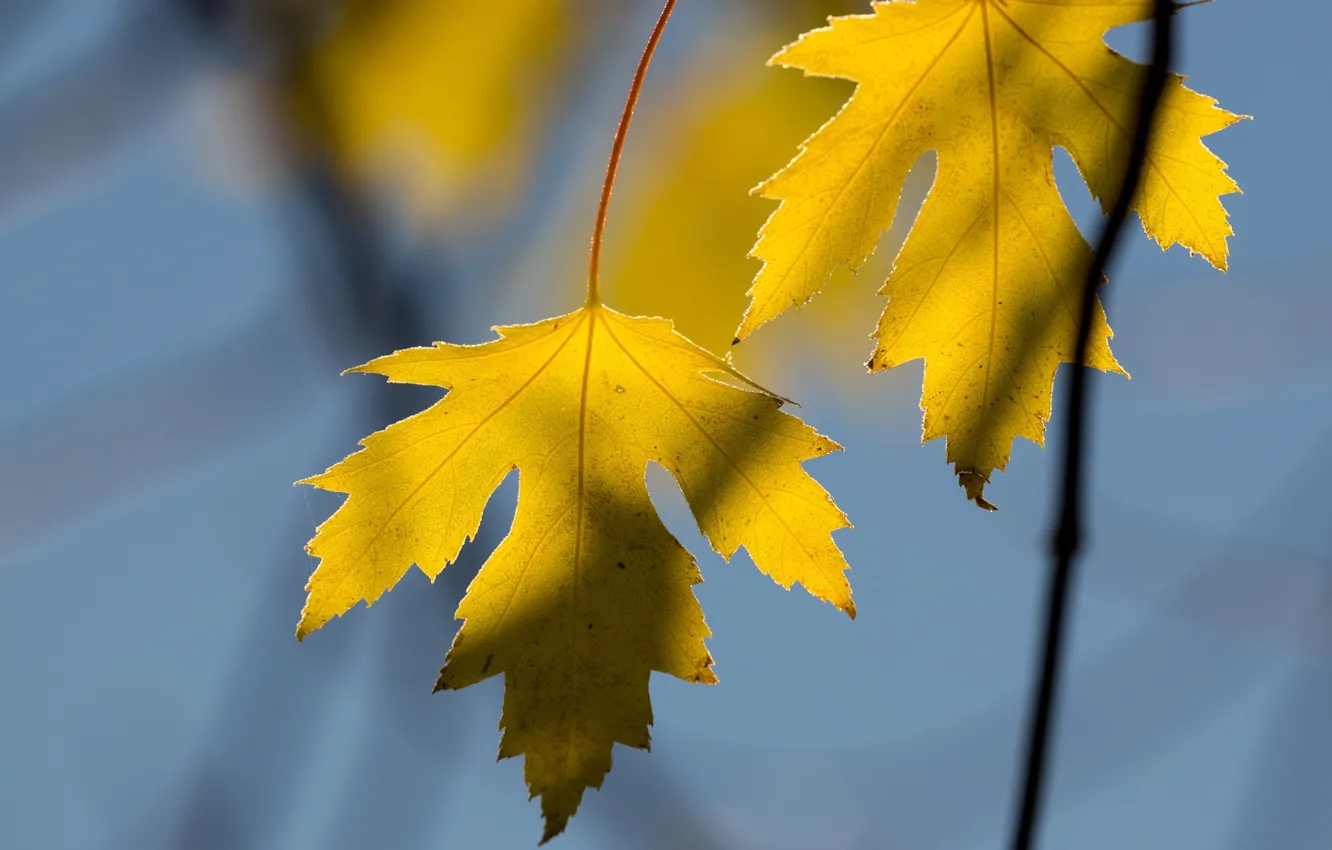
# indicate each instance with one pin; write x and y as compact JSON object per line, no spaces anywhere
{"x":987,"y":284}
{"x":589,"y":592}
{"x":443,"y":99}
{"x":687,"y":214}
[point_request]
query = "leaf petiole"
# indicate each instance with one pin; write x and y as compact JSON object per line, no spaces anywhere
{"x":617,"y":149}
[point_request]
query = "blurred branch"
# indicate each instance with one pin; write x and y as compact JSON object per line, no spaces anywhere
{"x":1253,"y":589}
{"x":346,"y":264}
{"x":1067,"y":537}
{"x":16,"y":19}
{"x":1285,"y":802}
{"x":1272,"y":584}
{"x":83,"y":114}
{"x":646,"y":806}
{"x":91,"y":452}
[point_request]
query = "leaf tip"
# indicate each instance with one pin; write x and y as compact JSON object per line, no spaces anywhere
{"x":550,"y":832}
{"x":556,"y":818}
{"x":974,"y":483}
{"x":312,"y":620}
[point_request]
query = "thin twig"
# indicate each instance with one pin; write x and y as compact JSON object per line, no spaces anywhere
{"x":1068,"y":535}
{"x":617,"y":149}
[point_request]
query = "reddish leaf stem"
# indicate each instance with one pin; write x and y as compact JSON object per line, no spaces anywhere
{"x":599,"y":230}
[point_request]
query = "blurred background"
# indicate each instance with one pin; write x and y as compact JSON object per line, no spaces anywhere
{"x":209,"y":208}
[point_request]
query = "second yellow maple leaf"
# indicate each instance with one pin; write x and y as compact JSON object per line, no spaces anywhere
{"x":986,"y":287}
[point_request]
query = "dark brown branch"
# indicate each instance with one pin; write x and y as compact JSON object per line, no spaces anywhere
{"x":1068,"y":533}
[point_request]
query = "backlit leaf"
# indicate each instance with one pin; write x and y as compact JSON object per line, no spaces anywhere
{"x":986,"y":287}
{"x":589,"y":592}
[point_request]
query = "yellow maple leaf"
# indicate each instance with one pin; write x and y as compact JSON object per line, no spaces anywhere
{"x":589,"y":592}
{"x":986,"y":287}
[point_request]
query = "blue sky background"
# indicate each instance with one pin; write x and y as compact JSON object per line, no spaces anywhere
{"x":167,"y":378}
